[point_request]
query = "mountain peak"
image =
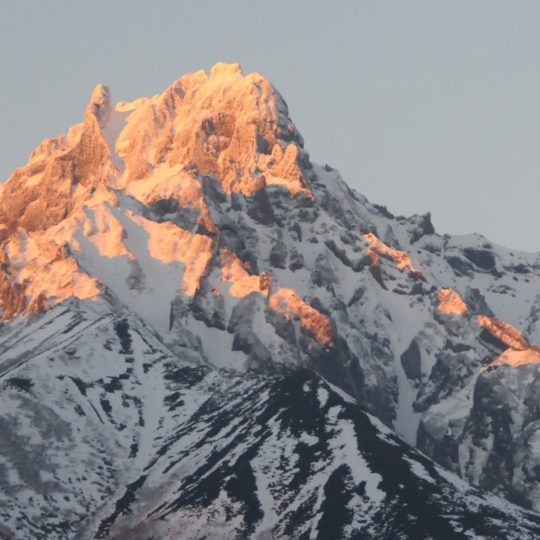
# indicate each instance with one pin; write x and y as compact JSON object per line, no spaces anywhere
{"x":101,"y":96}
{"x":226,"y":127}
{"x":223,"y":69}
{"x":100,"y":104}
{"x":180,"y":240}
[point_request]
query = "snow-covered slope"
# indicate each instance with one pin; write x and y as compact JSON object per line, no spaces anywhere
{"x":196,"y":221}
{"x":107,"y":434}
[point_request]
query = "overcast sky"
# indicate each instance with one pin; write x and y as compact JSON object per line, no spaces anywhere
{"x":422,"y":105}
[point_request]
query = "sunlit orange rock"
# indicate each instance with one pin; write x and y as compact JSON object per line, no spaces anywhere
{"x":234,"y":272}
{"x":516,"y":358}
{"x":504,"y":331}
{"x":451,"y":303}
{"x":161,"y":150}
{"x":107,"y":233}
{"x":519,"y":351}
{"x":60,"y":173}
{"x":173,"y":183}
{"x":288,"y":303}
{"x":282,"y":300}
{"x":378,"y":248}
{"x":41,"y":274}
{"x":225,"y":124}
{"x":169,"y":243}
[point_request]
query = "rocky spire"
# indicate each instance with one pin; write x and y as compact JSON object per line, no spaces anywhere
{"x":100,"y":104}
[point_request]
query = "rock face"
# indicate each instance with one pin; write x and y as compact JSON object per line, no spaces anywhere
{"x":197,"y":217}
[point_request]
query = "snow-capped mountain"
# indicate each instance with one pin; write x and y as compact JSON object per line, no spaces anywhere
{"x":200,"y":328}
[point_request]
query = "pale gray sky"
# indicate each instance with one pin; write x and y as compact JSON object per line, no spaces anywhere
{"x":421,"y":104}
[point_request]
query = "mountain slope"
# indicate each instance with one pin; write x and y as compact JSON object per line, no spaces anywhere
{"x":106,"y":434}
{"x":198,"y":216}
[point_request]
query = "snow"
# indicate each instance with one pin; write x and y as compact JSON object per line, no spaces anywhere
{"x":217,"y":346}
{"x":322,"y":394}
{"x":111,"y":132}
{"x":407,"y":320}
{"x":342,"y":445}
{"x":419,"y":470}
{"x":169,"y":243}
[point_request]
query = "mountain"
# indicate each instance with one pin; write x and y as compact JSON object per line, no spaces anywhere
{"x":206,"y":335}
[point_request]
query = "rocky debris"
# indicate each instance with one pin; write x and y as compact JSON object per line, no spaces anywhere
{"x":476,"y":302}
{"x":278,"y":255}
{"x":422,"y":226}
{"x":296,"y":261}
{"x":208,"y":306}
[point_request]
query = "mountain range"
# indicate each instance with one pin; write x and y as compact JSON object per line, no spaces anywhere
{"x":205,"y":335}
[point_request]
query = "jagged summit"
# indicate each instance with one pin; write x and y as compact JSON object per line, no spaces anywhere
{"x":100,"y":104}
{"x":224,"y":126}
{"x":168,"y":249}
{"x":232,"y":127}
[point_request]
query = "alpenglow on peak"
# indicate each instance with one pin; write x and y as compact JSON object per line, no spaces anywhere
{"x":205,"y":334}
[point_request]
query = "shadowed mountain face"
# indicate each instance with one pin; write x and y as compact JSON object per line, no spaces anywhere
{"x":107,"y":434}
{"x":200,"y":325}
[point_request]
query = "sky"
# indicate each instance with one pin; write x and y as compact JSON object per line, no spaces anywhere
{"x":423,"y":105}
